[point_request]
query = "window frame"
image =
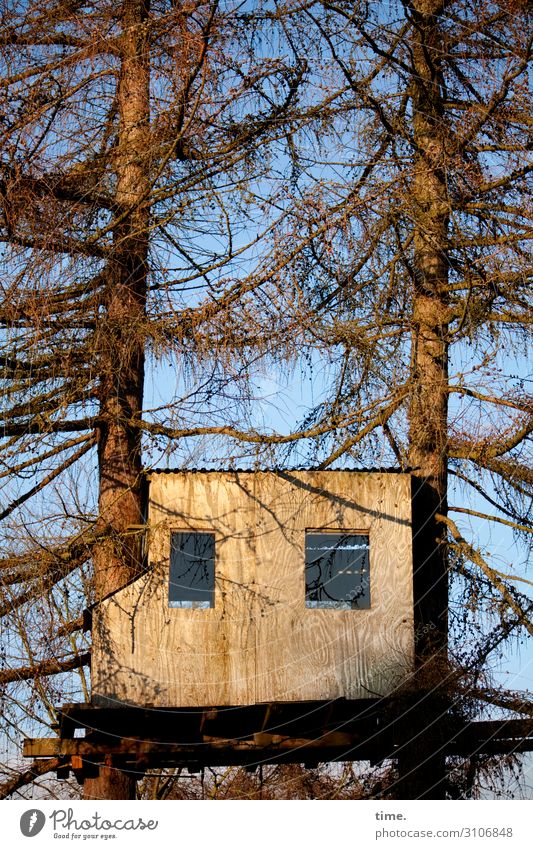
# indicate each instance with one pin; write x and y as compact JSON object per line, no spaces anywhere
{"x":344,"y":604}
{"x":190,"y":604}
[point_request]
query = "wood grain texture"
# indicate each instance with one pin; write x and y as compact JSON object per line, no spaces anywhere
{"x":260,"y":643}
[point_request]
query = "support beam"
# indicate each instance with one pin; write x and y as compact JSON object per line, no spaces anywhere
{"x":109,"y":753}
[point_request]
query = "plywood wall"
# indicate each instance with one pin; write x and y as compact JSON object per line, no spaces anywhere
{"x":260,"y":643}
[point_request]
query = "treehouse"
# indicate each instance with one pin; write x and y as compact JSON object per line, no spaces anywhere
{"x":262,"y":587}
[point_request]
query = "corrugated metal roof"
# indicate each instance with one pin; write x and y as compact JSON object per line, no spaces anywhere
{"x":278,"y":470}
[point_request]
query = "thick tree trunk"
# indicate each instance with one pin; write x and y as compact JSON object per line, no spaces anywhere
{"x":111,"y":783}
{"x":421,"y":770}
{"x":121,"y":343}
{"x":428,"y":414}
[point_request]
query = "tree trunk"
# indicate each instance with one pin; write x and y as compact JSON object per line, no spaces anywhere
{"x":121,"y":343}
{"x":422,"y":771}
{"x":428,"y":414}
{"x":111,"y":783}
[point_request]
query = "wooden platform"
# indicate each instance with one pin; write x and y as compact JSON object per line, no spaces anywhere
{"x":307,"y":732}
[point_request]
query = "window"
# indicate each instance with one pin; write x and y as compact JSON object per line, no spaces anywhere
{"x":192,"y":570}
{"x":337,"y":570}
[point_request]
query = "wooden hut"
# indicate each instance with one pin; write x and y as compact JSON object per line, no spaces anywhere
{"x":262,"y":587}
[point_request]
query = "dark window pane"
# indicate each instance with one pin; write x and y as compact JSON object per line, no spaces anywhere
{"x":337,"y":571}
{"x":192,"y":570}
